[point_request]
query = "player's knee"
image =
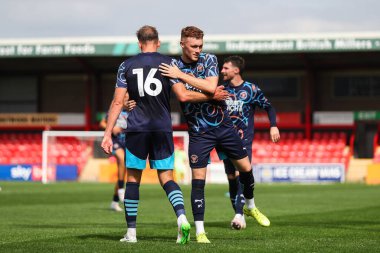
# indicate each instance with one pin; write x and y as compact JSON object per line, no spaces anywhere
{"x":199,"y":173}
{"x":165,"y":176}
{"x":245,"y":168}
{"x":231,"y":176}
{"x":243,"y":165}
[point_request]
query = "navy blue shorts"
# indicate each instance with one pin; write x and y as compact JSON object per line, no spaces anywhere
{"x":158,"y":146}
{"x":224,"y":138}
{"x":228,"y":166}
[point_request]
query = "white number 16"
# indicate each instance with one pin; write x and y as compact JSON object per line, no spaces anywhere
{"x":146,"y":86}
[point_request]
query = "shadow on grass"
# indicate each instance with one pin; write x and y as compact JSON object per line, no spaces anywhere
{"x":107,"y":237}
{"x":66,"y":225}
{"x":164,"y":225}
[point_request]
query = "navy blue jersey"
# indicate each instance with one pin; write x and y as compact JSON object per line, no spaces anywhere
{"x":241,"y":106}
{"x":150,"y":90}
{"x":204,"y":116}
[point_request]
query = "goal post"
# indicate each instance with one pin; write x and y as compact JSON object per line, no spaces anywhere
{"x":50,"y":151}
{"x":79,"y":153}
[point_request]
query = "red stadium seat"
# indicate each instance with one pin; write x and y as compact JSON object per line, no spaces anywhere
{"x":299,"y":136}
{"x":325,"y":147}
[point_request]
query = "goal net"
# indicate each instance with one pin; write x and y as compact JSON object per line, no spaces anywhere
{"x":78,"y":156}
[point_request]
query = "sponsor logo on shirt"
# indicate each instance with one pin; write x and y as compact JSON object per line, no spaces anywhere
{"x":234,"y":105}
{"x":243,"y":95}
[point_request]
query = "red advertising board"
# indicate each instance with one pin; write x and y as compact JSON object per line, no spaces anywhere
{"x":283,"y":118}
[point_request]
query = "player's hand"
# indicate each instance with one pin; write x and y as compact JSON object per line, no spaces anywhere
{"x":274,"y":134}
{"x":107,"y":144}
{"x":129,"y":105}
{"x":170,"y":71}
{"x":220,"y":94}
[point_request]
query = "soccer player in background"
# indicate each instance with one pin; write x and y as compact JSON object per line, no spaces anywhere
{"x":118,"y":150}
{"x":209,"y":124}
{"x":149,"y":127}
{"x":244,"y":98}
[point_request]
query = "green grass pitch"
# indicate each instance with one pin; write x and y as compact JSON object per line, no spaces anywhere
{"x":74,"y":217}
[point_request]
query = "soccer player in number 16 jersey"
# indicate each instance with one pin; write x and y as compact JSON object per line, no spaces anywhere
{"x":209,"y":123}
{"x":118,"y":139}
{"x":149,"y":131}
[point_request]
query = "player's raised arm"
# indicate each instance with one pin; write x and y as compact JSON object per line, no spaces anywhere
{"x":208,"y":84}
{"x":184,"y":95}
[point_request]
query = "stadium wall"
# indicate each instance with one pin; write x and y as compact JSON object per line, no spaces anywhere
{"x":301,"y":74}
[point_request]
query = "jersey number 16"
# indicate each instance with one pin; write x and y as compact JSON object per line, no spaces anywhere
{"x":146,"y":85}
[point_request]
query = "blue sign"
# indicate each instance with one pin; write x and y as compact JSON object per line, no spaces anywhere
{"x":66,"y":172}
{"x":301,"y":173}
{"x":19,"y":172}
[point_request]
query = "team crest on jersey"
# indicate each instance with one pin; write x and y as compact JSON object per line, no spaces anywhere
{"x":243,"y":95}
{"x":193,"y":158}
{"x":200,"y":68}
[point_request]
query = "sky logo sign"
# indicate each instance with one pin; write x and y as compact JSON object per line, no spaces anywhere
{"x":21,"y":173}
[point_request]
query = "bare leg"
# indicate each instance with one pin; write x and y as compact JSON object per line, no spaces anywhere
{"x":121,"y":171}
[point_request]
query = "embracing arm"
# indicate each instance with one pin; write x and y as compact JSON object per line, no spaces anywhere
{"x":208,"y":84}
{"x":184,"y":95}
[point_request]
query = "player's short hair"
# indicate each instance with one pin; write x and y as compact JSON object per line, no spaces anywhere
{"x":191,"y":32}
{"x":236,"y":61}
{"x":147,"y":33}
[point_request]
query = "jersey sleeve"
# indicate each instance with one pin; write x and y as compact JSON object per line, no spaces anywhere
{"x":260,"y":99}
{"x":263,"y":103}
{"x":121,"y":81}
{"x":211,"y":65}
